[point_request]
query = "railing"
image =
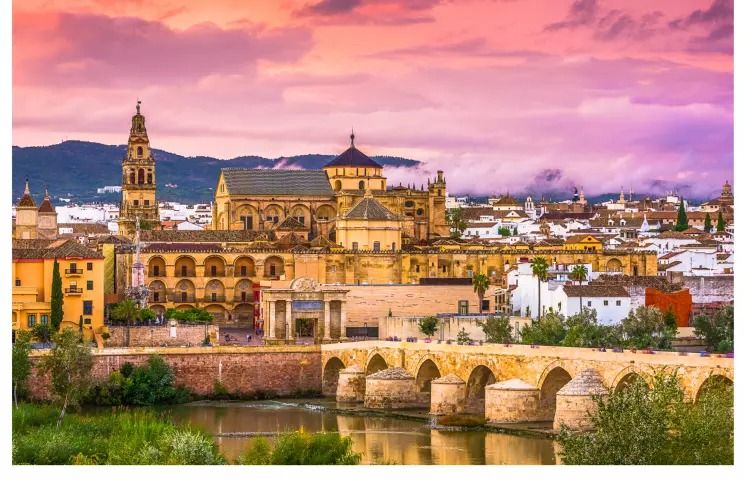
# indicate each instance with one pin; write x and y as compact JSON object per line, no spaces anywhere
{"x":238,"y":299}
{"x":178,"y":298}
{"x":214,"y":299}
{"x":185,"y":274}
{"x":72,"y":271}
{"x":158,"y":274}
{"x":217,"y":274}
{"x":161,"y":299}
{"x":73,"y":291}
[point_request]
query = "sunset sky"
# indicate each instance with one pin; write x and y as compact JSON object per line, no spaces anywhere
{"x":504,"y":95}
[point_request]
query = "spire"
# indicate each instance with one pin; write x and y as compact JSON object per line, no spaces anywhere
{"x":138,"y":105}
{"x":26,"y":190}
{"x":26,"y":200}
{"x":351,"y":137}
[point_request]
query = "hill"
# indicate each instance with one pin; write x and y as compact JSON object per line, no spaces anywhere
{"x":74,"y":169}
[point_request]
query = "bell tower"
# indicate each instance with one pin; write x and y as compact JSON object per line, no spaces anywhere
{"x":138,"y":180}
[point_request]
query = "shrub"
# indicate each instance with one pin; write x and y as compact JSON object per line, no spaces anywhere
{"x":718,"y":332}
{"x":301,"y":448}
{"x":428,"y":325}
{"x":497,"y":329}
{"x":463,"y":338}
{"x":549,"y":330}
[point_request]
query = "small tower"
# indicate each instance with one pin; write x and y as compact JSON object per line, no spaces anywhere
{"x":530,"y":207}
{"x":582,"y":199}
{"x":47,"y":219}
{"x":138,"y":179}
{"x":622,"y":198}
{"x":26,"y":216}
{"x":438,"y":225}
{"x":726,"y":197}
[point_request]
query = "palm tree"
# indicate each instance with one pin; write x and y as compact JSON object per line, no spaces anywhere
{"x":540,"y":271}
{"x":579,"y":274}
{"x":127,"y":311}
{"x":480,"y":285}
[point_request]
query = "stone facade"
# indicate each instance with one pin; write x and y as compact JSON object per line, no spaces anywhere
{"x":180,"y":335}
{"x":351,"y":385}
{"x":512,"y":401}
{"x":575,"y":402}
{"x":392,"y":388}
{"x":448,"y":396}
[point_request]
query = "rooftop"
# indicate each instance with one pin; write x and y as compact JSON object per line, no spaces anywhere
{"x":353,"y":157}
{"x":267,"y":182}
{"x":51,"y":249}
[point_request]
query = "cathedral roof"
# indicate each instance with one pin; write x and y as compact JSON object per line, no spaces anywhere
{"x":26,"y":200}
{"x":204,"y":236}
{"x":353,"y":157}
{"x":277,"y":182}
{"x":370,"y":208}
{"x":290,"y":223}
{"x":46,"y":205}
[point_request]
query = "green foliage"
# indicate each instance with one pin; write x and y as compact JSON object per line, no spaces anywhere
{"x":579,"y":273}
{"x":150,"y":384}
{"x":456,"y":221}
{"x":647,"y":327}
{"x":497,"y":329}
{"x":428,"y":325}
{"x":462,"y":338}
{"x":583,"y":330}
{"x":21,"y":364}
{"x":539,"y":265}
{"x":69,"y":366}
{"x":480,"y":284}
{"x":721,"y":225}
{"x":504,"y":231}
{"x":127,"y":310}
{"x":549,"y":330}
{"x":682,"y":222}
{"x":42,"y":332}
{"x":707,"y":223}
{"x":57,"y":300}
{"x":127,"y":438}
{"x":718,"y":332}
{"x":301,"y":448}
{"x":146,"y":314}
{"x":189,"y":316}
{"x":656,"y":426}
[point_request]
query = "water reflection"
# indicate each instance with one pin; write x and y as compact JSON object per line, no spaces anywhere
{"x":378,"y":439}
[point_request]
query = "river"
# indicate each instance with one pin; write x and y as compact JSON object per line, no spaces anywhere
{"x":380,"y":439}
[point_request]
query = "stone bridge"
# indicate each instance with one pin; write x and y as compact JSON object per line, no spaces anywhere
{"x":546,"y":368}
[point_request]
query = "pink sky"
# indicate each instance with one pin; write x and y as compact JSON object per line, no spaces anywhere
{"x":504,"y":95}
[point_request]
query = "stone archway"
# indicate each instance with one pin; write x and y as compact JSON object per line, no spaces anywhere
{"x":375,"y":364}
{"x":626,"y":378}
{"x":427,"y":372}
{"x":713,"y":382}
{"x":554,"y":380}
{"x":480,"y":377}
{"x":331,"y":376}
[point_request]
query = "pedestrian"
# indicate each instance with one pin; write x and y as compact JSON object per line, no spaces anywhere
{"x":248,"y":338}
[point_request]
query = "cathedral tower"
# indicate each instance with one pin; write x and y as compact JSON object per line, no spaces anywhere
{"x":47,"y":219}
{"x":138,"y":180}
{"x":26,"y":216}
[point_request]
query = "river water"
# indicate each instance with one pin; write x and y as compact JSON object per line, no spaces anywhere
{"x":380,"y":439}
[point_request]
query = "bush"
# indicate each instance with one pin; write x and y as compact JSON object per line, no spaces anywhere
{"x":718,"y":332}
{"x":549,"y":330}
{"x":497,"y":330}
{"x":301,"y":448}
{"x":647,"y":327}
{"x":190,"y":316}
{"x":428,"y":325}
{"x":463,"y":338}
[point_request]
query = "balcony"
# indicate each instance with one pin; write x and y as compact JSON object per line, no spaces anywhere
{"x":249,"y":298}
{"x":214,"y":299}
{"x":160,"y":299}
{"x":73,"y":291}
{"x":73,"y":272}
{"x":156,"y":274}
{"x":189,"y":273}
{"x":180,"y":298}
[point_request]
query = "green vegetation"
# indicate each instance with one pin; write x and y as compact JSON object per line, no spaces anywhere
{"x":583,"y":330}
{"x":301,"y":448}
{"x":456,"y":221}
{"x":428,"y":325}
{"x":69,"y":366}
{"x":648,"y":327}
{"x":539,"y":265}
{"x":504,"y":231}
{"x":462,"y":338}
{"x":56,"y":313}
{"x":579,"y":274}
{"x":657,"y":426}
{"x":150,"y":384}
{"x":682,"y":222}
{"x":42,"y":332}
{"x":21,"y":364}
{"x":127,"y":310}
{"x":123,"y":438}
{"x":707,"y":223}
{"x":721,"y":225}
{"x":480,"y":285}
{"x":497,"y":329}
{"x":550,"y":330}
{"x":718,"y":332}
{"x":195,"y":316}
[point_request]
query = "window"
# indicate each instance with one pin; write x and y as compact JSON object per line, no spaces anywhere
{"x":73,"y":267}
{"x":362,"y":184}
{"x":589,"y":303}
{"x":137,"y":202}
{"x":149,"y":178}
{"x":87,"y":321}
{"x":156,"y":296}
{"x":409,"y":204}
{"x":393,"y":246}
{"x":605,"y":302}
{"x":376,"y":246}
{"x":243,"y":296}
{"x":213,"y":271}
{"x":618,"y":302}
{"x":147,"y":202}
{"x":18,"y":282}
{"x":156,"y":270}
{"x":214,"y":296}
{"x":485,"y":305}
{"x":355,"y":246}
{"x":244,"y":271}
{"x":419,"y":212}
{"x":87,"y":307}
{"x":44,"y":319}
{"x":89,"y":266}
{"x":248,"y":222}
{"x":31,"y":320}
{"x":183,"y":296}
{"x":416,"y":268}
{"x":139,"y":151}
{"x":463,"y":307}
{"x":272,"y":270}
{"x":89,"y":285}
{"x":183,"y":270}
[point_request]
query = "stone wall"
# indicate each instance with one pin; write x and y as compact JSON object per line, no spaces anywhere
{"x":710,"y":289}
{"x":281,"y":370}
{"x":179,"y":335}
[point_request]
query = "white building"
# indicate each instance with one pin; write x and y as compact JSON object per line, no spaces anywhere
{"x":611,"y":302}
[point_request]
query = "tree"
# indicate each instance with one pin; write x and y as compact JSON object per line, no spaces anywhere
{"x":21,"y":363}
{"x":646,"y":327}
{"x":456,"y":221}
{"x":721,"y":225}
{"x":463,"y":338}
{"x":718,"y":332}
{"x":127,"y":311}
{"x":42,"y":332}
{"x":69,"y":365}
{"x":549,"y":330}
{"x":504,"y":231}
{"x":497,"y":329}
{"x":583,"y":330}
{"x":707,"y":223}
{"x":682,"y":223}
{"x":428,"y":325}
{"x":655,"y":426}
{"x":539,"y":265}
{"x":579,"y":274}
{"x":56,"y":314}
{"x":480,"y":285}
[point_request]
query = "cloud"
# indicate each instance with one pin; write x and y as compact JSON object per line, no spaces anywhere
{"x":581,"y":13}
{"x":719,"y":12}
{"x":381,"y":12}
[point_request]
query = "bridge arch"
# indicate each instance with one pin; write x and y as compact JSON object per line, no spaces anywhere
{"x":375,"y":363}
{"x":425,"y":373}
{"x":478,"y":379}
{"x":627,"y":376}
{"x":553,"y":378}
{"x":331,"y":375}
{"x":714,"y":380}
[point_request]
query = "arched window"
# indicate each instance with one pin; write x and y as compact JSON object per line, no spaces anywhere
{"x":149,"y":178}
{"x":139,"y":151}
{"x":337,"y":185}
{"x":141,"y":176}
{"x":362,"y":184}
{"x":131,"y":176}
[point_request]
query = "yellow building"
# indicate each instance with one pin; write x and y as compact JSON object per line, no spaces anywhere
{"x":369,"y":226}
{"x":82,"y":272}
{"x":583,"y":242}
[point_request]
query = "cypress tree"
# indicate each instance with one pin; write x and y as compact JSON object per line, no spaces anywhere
{"x":707,"y":223}
{"x":57,"y":313}
{"x":682,"y":223}
{"x":720,"y":223}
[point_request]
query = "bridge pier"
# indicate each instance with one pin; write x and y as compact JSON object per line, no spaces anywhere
{"x":512,"y":401}
{"x":448,"y":396}
{"x":351,"y":385}
{"x":392,"y":388}
{"x":575,"y":404}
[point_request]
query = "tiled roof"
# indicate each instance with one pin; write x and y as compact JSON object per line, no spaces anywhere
{"x":305,"y":182}
{"x":353,"y":157}
{"x":660,"y":283}
{"x":46,"y":206}
{"x":506,"y":201}
{"x":474,"y":213}
{"x":86,"y":228}
{"x":581,"y":238}
{"x":181,"y":247}
{"x":52,"y":248}
{"x":204,"y":236}
{"x":26,"y":201}
{"x":290,"y":223}
{"x":369,"y":208}
{"x":595,"y":290}
{"x":552,"y":215}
